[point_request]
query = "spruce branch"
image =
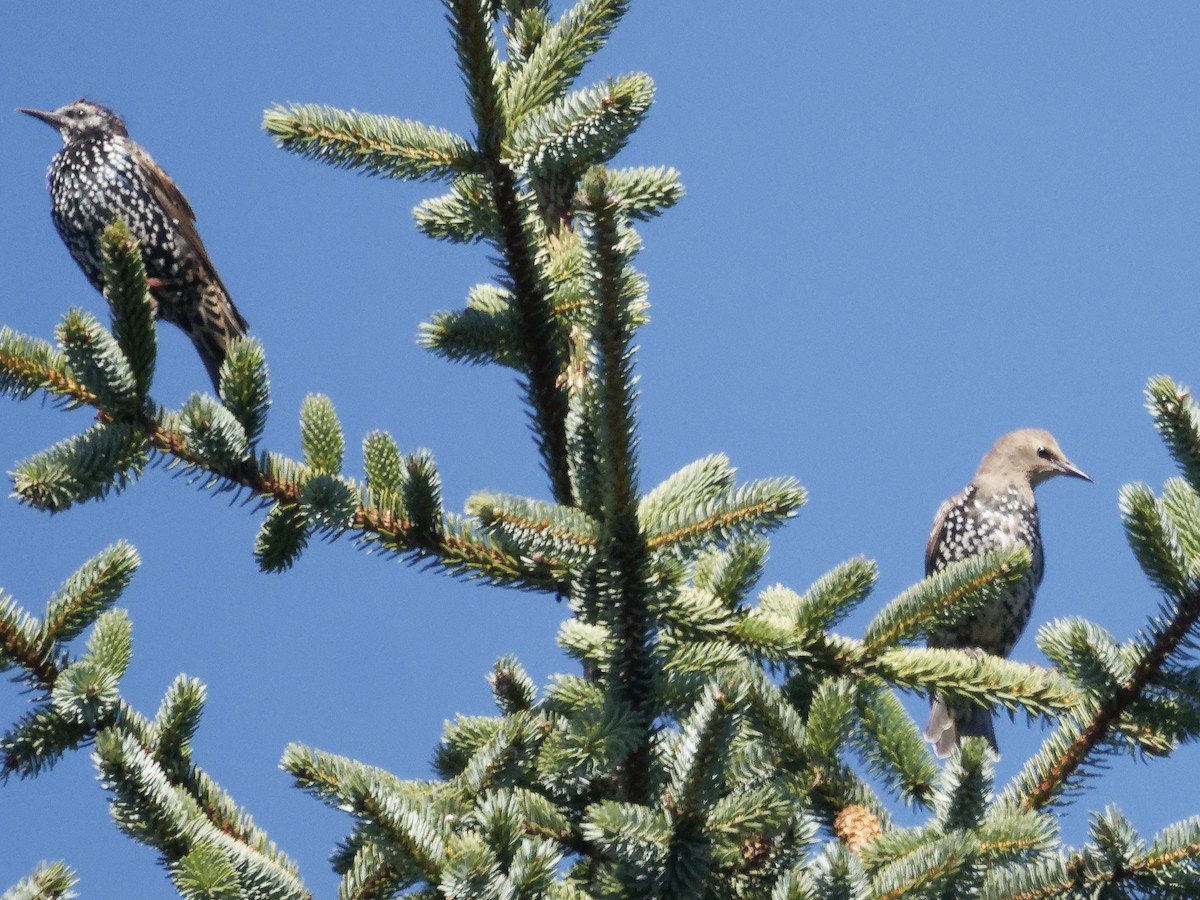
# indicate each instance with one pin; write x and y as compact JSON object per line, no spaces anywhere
{"x":558,"y":56}
{"x":827,"y":601}
{"x":697,"y":483}
{"x":214,"y":436}
{"x":525,"y":25}
{"x":471,"y":25}
{"x":980,"y":679}
{"x":39,"y":739}
{"x":245,"y":386}
{"x":383,"y":464}
{"x":281,"y":538}
{"x":50,"y":881}
{"x":321,"y":436}
{"x":132,"y":307}
{"x":588,"y":127}
{"x":368,"y":143}
{"x":97,"y":359}
{"x":892,"y":745}
{"x":1177,"y":419}
{"x":512,"y":687}
{"x":946,"y":597}
{"x":154,"y":810}
{"x":537,"y":530}
{"x":931,"y":870}
{"x":1054,"y":768}
{"x":110,"y":454}
{"x":85,"y":467}
{"x":1163,"y":552}
{"x":23,"y":643}
{"x":29,"y":365}
{"x":541,"y":338}
{"x":542,"y":342}
{"x":1155,"y":541}
{"x":487,"y":331}
{"x":89,"y":592}
{"x":1181,"y":504}
{"x":1115,"y":862}
{"x":730,"y":573}
{"x":609,"y":397}
{"x":642,"y":192}
{"x":464,"y":215}
{"x":159,"y":797}
{"x":176,"y":722}
{"x":744,"y":513}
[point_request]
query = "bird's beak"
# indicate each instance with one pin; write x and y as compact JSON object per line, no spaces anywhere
{"x":52,"y":119}
{"x":1066,"y":467}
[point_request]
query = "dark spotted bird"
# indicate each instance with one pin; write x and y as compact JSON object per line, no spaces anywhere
{"x":996,"y":511}
{"x":100,"y":176}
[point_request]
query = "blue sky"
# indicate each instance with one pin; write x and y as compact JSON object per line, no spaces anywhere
{"x":909,"y":228}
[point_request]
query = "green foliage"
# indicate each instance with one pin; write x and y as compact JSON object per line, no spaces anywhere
{"x":463,"y":215}
{"x":245,"y":387}
{"x":85,"y":693}
{"x":1154,"y":540}
{"x":892,"y":745}
{"x":421,"y":493}
{"x":86,"y":467}
{"x":695,"y":485}
{"x":177,"y":720}
{"x":977,"y":678}
{"x":281,"y":539}
{"x":535,"y":529}
{"x":558,"y":54}
{"x":89,"y":592}
{"x":740,"y":514}
{"x":206,"y":871}
{"x":947,"y":596}
{"x":487,"y":331}
{"x":29,"y":364}
{"x":371,"y":144}
{"x":215,"y":438}
{"x":1086,"y":654}
{"x":132,"y":307}
{"x":321,"y":435}
{"x":328,"y":503}
{"x":96,"y":358}
{"x":384,"y":467}
{"x":712,"y":744}
{"x":830,"y":598}
{"x":1177,"y":418}
{"x":586,"y":128}
{"x":643,"y":193}
{"x":50,"y":881}
{"x":512,"y":687}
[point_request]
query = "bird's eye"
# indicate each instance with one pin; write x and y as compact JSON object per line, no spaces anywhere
{"x":1045,"y":454}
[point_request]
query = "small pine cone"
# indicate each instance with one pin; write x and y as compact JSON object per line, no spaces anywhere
{"x":755,"y":851}
{"x":855,"y":826}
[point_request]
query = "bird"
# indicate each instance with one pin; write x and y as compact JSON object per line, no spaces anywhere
{"x":101,"y":175}
{"x":996,"y":511}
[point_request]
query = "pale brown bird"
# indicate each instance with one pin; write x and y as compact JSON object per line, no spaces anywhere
{"x":996,"y":511}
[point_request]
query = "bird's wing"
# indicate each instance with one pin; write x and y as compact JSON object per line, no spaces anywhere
{"x":939,"y":524}
{"x":180,"y":211}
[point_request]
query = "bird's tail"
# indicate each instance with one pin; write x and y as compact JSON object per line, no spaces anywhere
{"x":948,"y":725}
{"x":217,"y":322}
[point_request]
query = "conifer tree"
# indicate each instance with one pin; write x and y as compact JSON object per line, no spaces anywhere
{"x":717,"y":739}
